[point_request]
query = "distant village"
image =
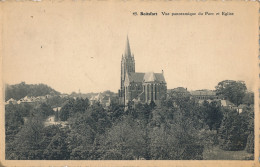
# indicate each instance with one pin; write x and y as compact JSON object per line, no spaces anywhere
{"x":105,"y":98}
{"x":205,"y":95}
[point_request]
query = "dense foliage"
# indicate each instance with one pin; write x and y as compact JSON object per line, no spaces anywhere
{"x":179,"y":128}
{"x":233,"y":91}
{"x":141,"y":132}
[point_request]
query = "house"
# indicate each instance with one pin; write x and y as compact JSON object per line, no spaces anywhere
{"x":95,"y":98}
{"x":106,"y":101}
{"x":204,"y":94}
{"x":227,"y":104}
{"x":241,"y":108}
{"x":179,"y":92}
{"x":56,"y":109}
{"x":26,"y":99}
{"x":11,"y":101}
{"x":63,"y":95}
{"x":202,"y":101}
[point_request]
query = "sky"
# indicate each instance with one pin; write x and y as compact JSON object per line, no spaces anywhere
{"x":78,"y":46}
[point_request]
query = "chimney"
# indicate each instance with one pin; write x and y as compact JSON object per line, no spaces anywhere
{"x":162,"y":72}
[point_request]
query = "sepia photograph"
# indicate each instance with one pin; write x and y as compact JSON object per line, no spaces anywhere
{"x":129,"y":80}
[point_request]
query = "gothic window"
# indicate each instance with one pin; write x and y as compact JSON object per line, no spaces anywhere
{"x":155,"y":90}
{"x":148,"y":92}
{"x":151,"y":91}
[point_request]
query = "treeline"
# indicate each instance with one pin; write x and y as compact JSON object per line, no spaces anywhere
{"x":178,"y":129}
{"x":22,"y":89}
{"x":235,"y":91}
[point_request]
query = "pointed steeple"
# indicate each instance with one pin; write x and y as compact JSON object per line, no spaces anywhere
{"x":127,"y":48}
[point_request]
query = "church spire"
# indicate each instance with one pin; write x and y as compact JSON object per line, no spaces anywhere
{"x":127,"y":48}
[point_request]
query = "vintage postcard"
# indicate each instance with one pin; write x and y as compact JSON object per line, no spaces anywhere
{"x":129,"y":83}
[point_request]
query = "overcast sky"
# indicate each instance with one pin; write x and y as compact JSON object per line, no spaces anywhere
{"x":72,"y":46}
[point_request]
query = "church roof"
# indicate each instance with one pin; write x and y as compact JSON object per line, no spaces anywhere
{"x":136,"y":77}
{"x":154,"y":77}
{"x":149,"y":77}
{"x":146,"y":77}
{"x":160,"y":77}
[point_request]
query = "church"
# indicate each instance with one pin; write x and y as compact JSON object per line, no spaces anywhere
{"x":138,"y":86}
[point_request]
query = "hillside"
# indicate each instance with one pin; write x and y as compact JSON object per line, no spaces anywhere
{"x":22,"y":89}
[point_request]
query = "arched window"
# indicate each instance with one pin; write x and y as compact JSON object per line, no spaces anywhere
{"x":155,"y":90}
{"x":148,"y":92}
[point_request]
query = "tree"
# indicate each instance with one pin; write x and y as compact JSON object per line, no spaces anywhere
{"x":56,"y":143}
{"x":55,"y":101}
{"x":71,"y":107}
{"x":85,"y":131}
{"x":27,"y":142}
{"x":178,"y":140}
{"x":142,"y":112}
{"x":248,"y":98}
{"x":115,"y":111}
{"x":124,"y":141}
{"x":98,"y":114}
{"x":232,"y":132}
{"x":25,"y":109}
{"x":66,"y":110}
{"x":250,"y":143}
{"x":13,"y":121}
{"x":80,"y":105}
{"x":233,"y":91}
{"x":248,"y":123}
{"x":56,"y":116}
{"x":212,"y":114}
{"x":46,"y":110}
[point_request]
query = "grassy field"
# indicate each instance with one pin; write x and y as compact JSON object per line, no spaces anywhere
{"x":218,"y":154}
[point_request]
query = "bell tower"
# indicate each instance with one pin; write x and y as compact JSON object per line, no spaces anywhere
{"x":127,"y":66}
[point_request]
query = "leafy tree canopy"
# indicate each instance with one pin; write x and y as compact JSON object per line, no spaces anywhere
{"x":233,"y":91}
